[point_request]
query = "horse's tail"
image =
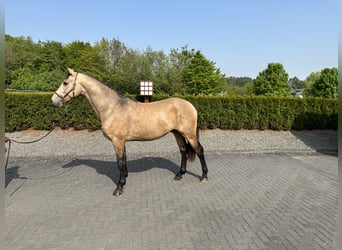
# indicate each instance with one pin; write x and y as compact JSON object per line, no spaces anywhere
{"x":190,"y":150}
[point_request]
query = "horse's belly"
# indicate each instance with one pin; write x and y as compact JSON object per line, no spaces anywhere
{"x":148,"y":133}
{"x":150,"y":128}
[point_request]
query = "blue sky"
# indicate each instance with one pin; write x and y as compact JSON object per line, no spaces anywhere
{"x":240,"y":36}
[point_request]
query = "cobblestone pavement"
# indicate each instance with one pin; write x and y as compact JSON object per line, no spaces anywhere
{"x":252,"y":201}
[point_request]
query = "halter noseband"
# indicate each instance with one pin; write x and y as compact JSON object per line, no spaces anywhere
{"x":71,"y":90}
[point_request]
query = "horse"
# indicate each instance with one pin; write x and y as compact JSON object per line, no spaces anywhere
{"x":124,"y":119}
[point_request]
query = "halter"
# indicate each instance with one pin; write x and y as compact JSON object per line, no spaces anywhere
{"x":71,"y":90}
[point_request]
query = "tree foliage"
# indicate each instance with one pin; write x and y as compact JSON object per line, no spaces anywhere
{"x":311,"y":79}
{"x":41,"y":66}
{"x":272,"y":81}
{"x":325,"y":85}
{"x":239,"y":85}
{"x":29,"y":65}
{"x":201,"y":76}
{"x":295,"y":83}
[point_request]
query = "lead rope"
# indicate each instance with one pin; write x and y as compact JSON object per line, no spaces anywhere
{"x":30,"y":142}
{"x":36,"y":140}
{"x":26,"y":142}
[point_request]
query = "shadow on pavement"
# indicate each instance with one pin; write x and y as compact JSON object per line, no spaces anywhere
{"x":323,"y":141}
{"x":110,"y":169}
{"x":12,"y":173}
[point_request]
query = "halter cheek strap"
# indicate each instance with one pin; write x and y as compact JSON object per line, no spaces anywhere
{"x":71,"y":90}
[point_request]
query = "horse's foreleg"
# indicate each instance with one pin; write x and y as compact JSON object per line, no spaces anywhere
{"x":122,"y":166}
{"x":125,"y":166}
{"x":183,"y":150}
{"x":182,"y":169}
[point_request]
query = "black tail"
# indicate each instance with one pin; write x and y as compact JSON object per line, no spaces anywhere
{"x":191,"y":154}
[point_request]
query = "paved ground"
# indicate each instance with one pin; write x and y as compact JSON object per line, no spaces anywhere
{"x":259,"y":200}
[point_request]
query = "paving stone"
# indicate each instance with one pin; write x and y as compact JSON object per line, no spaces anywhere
{"x":252,"y":201}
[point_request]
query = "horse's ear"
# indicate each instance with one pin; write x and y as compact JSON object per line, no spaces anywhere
{"x":70,"y":71}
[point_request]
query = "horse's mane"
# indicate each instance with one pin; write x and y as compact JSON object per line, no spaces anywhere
{"x":104,"y":85}
{"x":126,"y":97}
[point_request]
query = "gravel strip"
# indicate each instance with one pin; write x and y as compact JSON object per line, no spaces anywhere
{"x":86,"y":144}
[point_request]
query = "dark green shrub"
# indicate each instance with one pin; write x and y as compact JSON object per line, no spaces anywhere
{"x":34,"y":110}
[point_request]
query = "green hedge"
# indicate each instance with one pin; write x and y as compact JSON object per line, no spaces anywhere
{"x":34,"y":110}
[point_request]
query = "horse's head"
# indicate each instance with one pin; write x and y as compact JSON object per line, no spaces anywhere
{"x":68,"y":89}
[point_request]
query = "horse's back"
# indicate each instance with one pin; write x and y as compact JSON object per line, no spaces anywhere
{"x":177,"y":102}
{"x":175,"y":105}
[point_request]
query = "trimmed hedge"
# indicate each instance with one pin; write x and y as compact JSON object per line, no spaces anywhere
{"x":34,"y":110}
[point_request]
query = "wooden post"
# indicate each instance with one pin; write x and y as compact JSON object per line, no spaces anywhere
{"x":146,"y":90}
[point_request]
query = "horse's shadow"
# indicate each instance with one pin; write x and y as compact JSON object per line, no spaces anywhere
{"x":110,"y":169}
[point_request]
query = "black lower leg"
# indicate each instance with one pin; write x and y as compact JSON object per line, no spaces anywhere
{"x":200,"y":154}
{"x":125,"y":165}
{"x":122,"y":181}
{"x":182,"y":169}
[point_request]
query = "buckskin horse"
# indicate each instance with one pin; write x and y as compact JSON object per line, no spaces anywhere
{"x":124,"y":119}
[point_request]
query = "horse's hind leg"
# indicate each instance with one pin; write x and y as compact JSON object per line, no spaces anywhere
{"x":197,"y":147}
{"x":200,"y":153}
{"x":183,"y":150}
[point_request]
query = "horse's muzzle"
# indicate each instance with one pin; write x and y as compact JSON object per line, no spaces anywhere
{"x":56,"y":101}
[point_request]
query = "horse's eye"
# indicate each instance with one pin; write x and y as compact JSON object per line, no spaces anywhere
{"x":65,"y":83}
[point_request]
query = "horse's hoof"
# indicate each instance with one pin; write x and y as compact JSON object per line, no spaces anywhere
{"x":204,"y":180}
{"x":177,"y":178}
{"x":117,"y":192}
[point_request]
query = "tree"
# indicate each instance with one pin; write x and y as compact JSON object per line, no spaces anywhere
{"x":127,"y":67}
{"x":85,"y":58}
{"x":309,"y":81}
{"x":41,"y":66}
{"x":325,"y":85}
{"x":201,"y":76}
{"x":272,"y":81}
{"x":20,"y":52}
{"x":51,"y":56}
{"x":239,"y":85}
{"x":33,"y":66}
{"x":157,"y":65}
{"x":178,"y":59}
{"x":128,"y":73}
{"x":295,"y":83}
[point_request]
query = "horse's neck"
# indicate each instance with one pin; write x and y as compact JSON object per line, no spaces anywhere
{"x":100,"y":97}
